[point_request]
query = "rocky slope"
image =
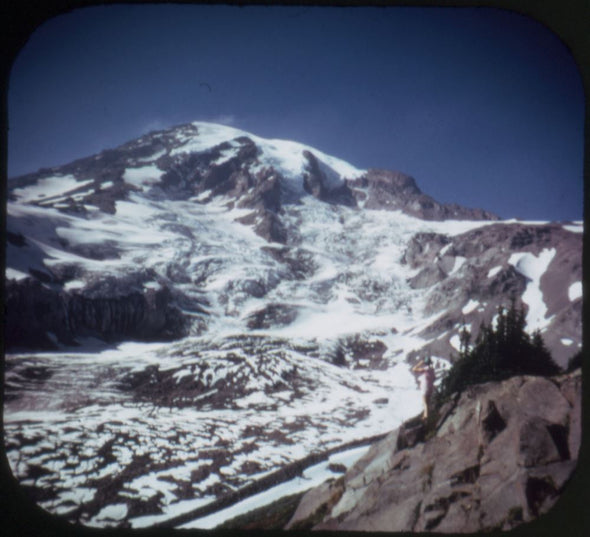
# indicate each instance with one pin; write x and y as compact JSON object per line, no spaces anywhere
{"x":498,"y":456}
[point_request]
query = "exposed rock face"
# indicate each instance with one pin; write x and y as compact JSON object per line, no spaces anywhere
{"x":383,"y":189}
{"x":267,"y":225}
{"x":272,"y":315}
{"x":42,"y":317}
{"x":322,"y":184}
{"x":499,"y":456}
{"x":34,"y":310}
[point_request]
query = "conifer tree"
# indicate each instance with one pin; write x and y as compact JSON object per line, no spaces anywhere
{"x":500,"y":352}
{"x":575,"y":361}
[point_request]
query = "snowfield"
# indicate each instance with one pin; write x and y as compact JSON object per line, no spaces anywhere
{"x":82,"y":436}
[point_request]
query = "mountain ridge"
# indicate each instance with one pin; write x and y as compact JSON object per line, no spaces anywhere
{"x":341,"y":183}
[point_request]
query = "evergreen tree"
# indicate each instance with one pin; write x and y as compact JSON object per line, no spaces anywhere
{"x":543,"y":363}
{"x":500,"y":352}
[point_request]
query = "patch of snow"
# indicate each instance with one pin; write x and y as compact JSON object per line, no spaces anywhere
{"x":470,"y":306}
{"x":455,"y":341}
{"x":179,"y":375}
{"x":254,"y":399}
{"x":456,"y":227}
{"x":526,"y":222}
{"x":209,"y":481}
{"x":48,"y":187}
{"x":445,"y":249}
{"x":173,"y":510}
{"x":153,"y":157}
{"x":14,"y":274}
{"x":109,"y":469}
{"x":202,"y":196}
{"x":459,"y":262}
{"x":146,"y":175}
{"x":78,"y":495}
{"x":111,"y":512}
{"x":576,"y":227}
{"x":493,"y":271}
{"x":349,"y":457}
{"x":74,"y":284}
{"x":533,"y":267}
{"x":182,"y":473}
{"x":227,"y":154}
{"x":575,"y":291}
{"x":567,"y":341}
{"x":135,"y":210}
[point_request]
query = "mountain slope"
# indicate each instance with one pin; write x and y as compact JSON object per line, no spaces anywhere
{"x":264,"y":296}
{"x":90,"y":229}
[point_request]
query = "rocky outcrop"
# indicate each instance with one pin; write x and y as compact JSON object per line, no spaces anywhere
{"x":498,"y":456}
{"x":35,"y":312}
{"x":267,"y":225}
{"x":272,"y":315}
{"x":319,"y":181}
{"x":389,"y":190}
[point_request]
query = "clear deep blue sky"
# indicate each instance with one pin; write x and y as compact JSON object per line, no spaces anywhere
{"x":482,"y":107}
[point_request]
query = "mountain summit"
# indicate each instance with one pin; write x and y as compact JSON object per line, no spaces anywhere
{"x":263,"y":299}
{"x":200,"y":158}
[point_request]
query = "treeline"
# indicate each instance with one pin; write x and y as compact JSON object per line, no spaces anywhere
{"x":500,"y":352}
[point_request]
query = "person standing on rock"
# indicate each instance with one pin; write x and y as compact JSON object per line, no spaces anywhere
{"x":426,"y":380}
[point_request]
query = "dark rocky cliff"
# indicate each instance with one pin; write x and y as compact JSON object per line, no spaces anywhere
{"x":497,"y":457}
{"x":42,"y":316}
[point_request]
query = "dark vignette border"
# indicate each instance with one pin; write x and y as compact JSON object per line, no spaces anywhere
{"x":569,"y":19}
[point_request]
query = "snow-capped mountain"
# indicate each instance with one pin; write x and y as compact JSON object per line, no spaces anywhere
{"x":263,"y":295}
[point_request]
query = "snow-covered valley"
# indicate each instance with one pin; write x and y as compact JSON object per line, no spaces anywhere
{"x":88,"y":448}
{"x":201,"y":307}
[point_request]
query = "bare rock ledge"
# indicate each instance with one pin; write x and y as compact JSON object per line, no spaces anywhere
{"x":498,"y":456}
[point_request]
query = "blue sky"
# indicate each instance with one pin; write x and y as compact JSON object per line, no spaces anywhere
{"x":482,"y":107}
